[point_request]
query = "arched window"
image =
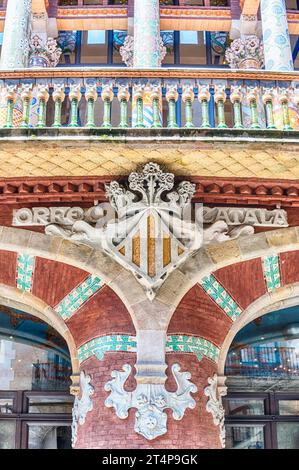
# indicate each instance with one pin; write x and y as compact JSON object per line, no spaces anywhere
{"x":262,"y":369}
{"x":35,"y":369}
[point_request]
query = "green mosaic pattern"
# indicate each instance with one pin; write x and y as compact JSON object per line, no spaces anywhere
{"x":192,"y":344}
{"x":98,"y":346}
{"x":221,"y":297}
{"x":272,"y":272}
{"x":175,"y":343}
{"x":76,"y":298}
{"x":25,"y":269}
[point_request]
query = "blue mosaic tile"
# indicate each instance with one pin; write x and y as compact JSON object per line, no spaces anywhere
{"x":221,"y":297}
{"x":76,"y":298}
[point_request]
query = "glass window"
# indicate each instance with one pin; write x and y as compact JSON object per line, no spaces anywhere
{"x":192,"y":47}
{"x":6,"y":405}
{"x":289,"y":407}
{"x":243,"y":407}
{"x":94,"y":53}
{"x":7,"y":434}
{"x":49,"y":436}
{"x":288,"y":435}
{"x":50,"y":404}
{"x":96,"y":37}
{"x":245,"y":437}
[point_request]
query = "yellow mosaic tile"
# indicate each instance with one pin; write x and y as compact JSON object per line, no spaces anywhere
{"x":226,"y":159}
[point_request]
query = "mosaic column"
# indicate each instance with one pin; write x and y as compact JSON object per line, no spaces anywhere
{"x":277,"y":48}
{"x":16,"y":34}
{"x":147,"y":34}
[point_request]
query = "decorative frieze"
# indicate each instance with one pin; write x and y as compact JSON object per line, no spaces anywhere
{"x":78,"y":296}
{"x":222,"y":298}
{"x":67,"y":216}
{"x":25,"y":270}
{"x":97,"y":347}
{"x":150,"y":400}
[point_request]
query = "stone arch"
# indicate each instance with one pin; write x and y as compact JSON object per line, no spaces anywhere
{"x":28,"y":303}
{"x":84,"y":257}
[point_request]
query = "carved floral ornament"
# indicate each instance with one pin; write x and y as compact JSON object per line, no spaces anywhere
{"x":149,"y":226}
{"x":151,"y":401}
{"x":82,"y":405}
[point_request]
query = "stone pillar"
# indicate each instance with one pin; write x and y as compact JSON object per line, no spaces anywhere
{"x":16,"y":34}
{"x":276,"y":38}
{"x":147,"y":34}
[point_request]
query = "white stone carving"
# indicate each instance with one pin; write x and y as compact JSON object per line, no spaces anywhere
{"x":150,"y":400}
{"x":82,"y":405}
{"x":149,"y":227}
{"x":43,"y":52}
{"x":215,"y":407}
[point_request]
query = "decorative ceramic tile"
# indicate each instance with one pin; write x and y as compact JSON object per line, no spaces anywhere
{"x":175,"y":343}
{"x":98,"y":346}
{"x":76,"y":298}
{"x":272,"y":272}
{"x":192,"y":344}
{"x":25,"y":269}
{"x":221,"y":297}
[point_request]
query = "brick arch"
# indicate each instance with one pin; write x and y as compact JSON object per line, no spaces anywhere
{"x":76,"y":263}
{"x":220,"y":260}
{"x":224,"y":301}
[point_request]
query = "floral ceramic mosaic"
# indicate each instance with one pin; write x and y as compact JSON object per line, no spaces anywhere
{"x":78,"y":296}
{"x":222,"y":298}
{"x":125,"y":343}
{"x":272,"y":272}
{"x":25,"y":269}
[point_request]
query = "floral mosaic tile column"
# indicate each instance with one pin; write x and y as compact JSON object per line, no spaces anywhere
{"x":277,"y":48}
{"x":15,"y":45}
{"x":146,"y":34}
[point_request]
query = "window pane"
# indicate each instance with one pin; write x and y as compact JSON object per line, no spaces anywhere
{"x":49,"y":436}
{"x":244,"y":437}
{"x":288,"y":435}
{"x":244,"y":407}
{"x":289,"y":407}
{"x":6,"y":405}
{"x":7,"y":434}
{"x":50,"y":404}
{"x":94,"y":53}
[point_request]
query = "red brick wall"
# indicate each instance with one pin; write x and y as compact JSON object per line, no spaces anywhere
{"x":103,"y":314}
{"x":103,"y":429}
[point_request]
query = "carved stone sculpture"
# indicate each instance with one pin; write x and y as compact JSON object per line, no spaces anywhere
{"x":150,"y":400}
{"x":215,"y":407}
{"x":82,"y":405}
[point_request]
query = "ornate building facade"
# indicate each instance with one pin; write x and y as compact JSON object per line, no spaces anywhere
{"x":149,"y":224}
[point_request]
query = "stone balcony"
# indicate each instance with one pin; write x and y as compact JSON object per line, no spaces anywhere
{"x":234,"y":133}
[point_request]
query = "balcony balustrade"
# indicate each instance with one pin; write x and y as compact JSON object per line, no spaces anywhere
{"x":168,"y":98}
{"x":263,"y":361}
